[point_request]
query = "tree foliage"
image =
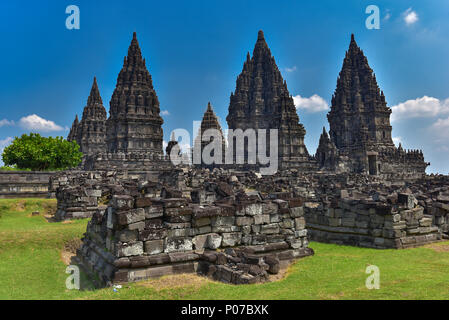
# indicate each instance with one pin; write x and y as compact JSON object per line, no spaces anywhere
{"x":39,"y":153}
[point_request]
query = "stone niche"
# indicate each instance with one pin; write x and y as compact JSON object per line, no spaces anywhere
{"x":137,"y":238}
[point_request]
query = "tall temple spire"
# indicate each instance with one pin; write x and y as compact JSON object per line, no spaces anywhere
{"x":261,"y":50}
{"x":94,"y":109}
{"x":94,"y":96}
{"x":135,"y":123}
{"x":91,"y":131}
{"x":359,"y":114}
{"x":210,"y":121}
{"x":261,"y":101}
{"x":73,"y":130}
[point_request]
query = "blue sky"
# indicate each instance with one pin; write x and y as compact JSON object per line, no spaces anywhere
{"x":196,"y":49}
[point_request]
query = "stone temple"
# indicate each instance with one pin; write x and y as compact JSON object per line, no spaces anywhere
{"x":360,"y":127}
{"x":90,"y":133}
{"x":210,"y":122}
{"x":134,"y":123}
{"x":132,"y":135}
{"x":261,"y":101}
{"x":151,"y":217}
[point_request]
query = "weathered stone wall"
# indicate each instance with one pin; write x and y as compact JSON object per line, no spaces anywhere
{"x":24,"y":184}
{"x":136,"y":161}
{"x":140,"y":237}
{"x":369,"y":223}
{"x":81,"y":193}
{"x":440,"y":214}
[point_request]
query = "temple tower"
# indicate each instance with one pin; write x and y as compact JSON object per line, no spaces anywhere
{"x":91,"y":132}
{"x":359,"y":117}
{"x":262,"y":101}
{"x":210,"y":121}
{"x":73,"y":130}
{"x":134,"y":125}
{"x":360,"y":127}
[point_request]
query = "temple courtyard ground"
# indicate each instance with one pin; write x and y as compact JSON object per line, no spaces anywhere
{"x":35,"y":251}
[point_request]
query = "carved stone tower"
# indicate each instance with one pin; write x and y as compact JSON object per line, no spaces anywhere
{"x":262,"y":101}
{"x":73,"y":130}
{"x":91,"y":131}
{"x":359,"y":116}
{"x":359,"y":122}
{"x":134,"y":124}
{"x":210,"y":121}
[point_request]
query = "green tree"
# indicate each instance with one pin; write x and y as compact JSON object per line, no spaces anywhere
{"x":39,"y":153}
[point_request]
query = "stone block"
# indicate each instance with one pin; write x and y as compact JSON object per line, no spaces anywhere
{"x":253,"y":209}
{"x":214,"y":241}
{"x":200,"y":242}
{"x":137,"y":226}
{"x":154,"y":211}
{"x":200,"y":222}
{"x":131,"y":216}
{"x":143,"y":202}
{"x":122,"y":202}
{"x":222,"y":221}
{"x":297,"y":212}
{"x":127,"y":235}
{"x":244,"y":221}
{"x":178,"y":244}
{"x":128,"y":250}
{"x":261,"y":219}
{"x":154,"y":246}
{"x":269,"y":208}
{"x":287,"y":223}
{"x":300,"y":223}
{"x":269,"y":228}
{"x":231,"y":239}
{"x":274,"y":218}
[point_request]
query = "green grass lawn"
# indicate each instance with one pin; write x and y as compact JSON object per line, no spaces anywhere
{"x":31,"y":267}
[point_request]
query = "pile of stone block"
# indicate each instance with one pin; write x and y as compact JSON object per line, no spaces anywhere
{"x":246,"y":265}
{"x":398,"y":222}
{"x":77,"y":203}
{"x":139,"y":237}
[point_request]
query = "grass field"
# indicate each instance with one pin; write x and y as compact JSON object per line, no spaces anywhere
{"x":32,"y":267}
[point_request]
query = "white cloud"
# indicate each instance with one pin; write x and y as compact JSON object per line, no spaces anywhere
{"x":165,"y":113}
{"x":5,"y":142}
{"x":410,"y":16}
{"x":313,"y":104}
{"x":387,"y":15}
{"x":34,"y":122}
{"x":397,"y":140}
{"x":292,"y":69}
{"x":441,"y":128}
{"x":6,"y":122}
{"x":423,"y":107}
{"x":443,"y":149}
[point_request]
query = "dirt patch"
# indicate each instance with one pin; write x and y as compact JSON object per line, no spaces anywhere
{"x":439,"y":247}
{"x":69,"y":250}
{"x":283,"y":272}
{"x":19,"y":206}
{"x":192,"y":281}
{"x":49,"y":208}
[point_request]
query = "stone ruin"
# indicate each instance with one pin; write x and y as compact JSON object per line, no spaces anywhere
{"x":150,"y":217}
{"x":139,"y":236}
{"x":359,"y":139}
{"x":360,"y":130}
{"x":262,"y":101}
